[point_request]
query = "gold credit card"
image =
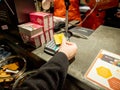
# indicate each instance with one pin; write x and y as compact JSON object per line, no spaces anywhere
{"x":58,"y":38}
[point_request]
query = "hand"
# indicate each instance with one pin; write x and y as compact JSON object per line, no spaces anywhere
{"x":68,"y":48}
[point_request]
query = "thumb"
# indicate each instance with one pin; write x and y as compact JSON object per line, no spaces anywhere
{"x":63,"y":40}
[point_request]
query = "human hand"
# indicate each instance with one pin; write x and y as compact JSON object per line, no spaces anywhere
{"x":68,"y":48}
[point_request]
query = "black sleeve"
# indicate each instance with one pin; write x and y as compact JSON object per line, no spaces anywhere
{"x":50,"y":76}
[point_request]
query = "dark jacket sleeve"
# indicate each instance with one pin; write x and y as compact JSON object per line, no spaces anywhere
{"x":50,"y":76}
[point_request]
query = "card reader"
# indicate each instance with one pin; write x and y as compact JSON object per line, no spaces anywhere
{"x":51,"y":48}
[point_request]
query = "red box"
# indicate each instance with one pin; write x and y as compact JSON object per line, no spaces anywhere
{"x":42,"y":18}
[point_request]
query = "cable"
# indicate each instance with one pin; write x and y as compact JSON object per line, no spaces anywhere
{"x":88,"y":14}
{"x":79,"y":24}
{"x":9,"y":7}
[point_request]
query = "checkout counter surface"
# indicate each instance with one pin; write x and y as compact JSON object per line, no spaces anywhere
{"x":107,"y":38}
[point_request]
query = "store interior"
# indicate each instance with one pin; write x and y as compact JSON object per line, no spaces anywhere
{"x":90,"y":15}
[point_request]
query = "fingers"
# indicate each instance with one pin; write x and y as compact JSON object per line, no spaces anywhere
{"x":64,"y":41}
{"x":68,"y":48}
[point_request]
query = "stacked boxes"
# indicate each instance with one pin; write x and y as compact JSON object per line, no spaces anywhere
{"x":39,"y":30}
{"x":44,"y":19}
{"x":32,"y":33}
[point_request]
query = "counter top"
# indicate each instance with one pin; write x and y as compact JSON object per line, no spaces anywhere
{"x":104,"y":37}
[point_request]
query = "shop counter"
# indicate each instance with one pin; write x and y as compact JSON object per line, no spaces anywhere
{"x":104,"y":37}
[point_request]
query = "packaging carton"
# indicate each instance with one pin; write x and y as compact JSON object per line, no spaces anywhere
{"x":30,"y":28}
{"x":35,"y":40}
{"x":42,"y":18}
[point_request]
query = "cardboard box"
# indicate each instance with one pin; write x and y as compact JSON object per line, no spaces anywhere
{"x":36,"y":40}
{"x":49,"y":35}
{"x":51,"y":21}
{"x":42,"y":18}
{"x":30,"y":28}
{"x":51,"y":32}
